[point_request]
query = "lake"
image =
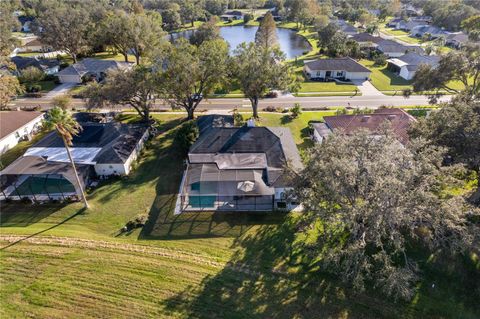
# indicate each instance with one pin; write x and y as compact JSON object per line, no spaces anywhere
{"x":290,"y":42}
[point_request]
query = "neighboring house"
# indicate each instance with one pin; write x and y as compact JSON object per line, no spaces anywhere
{"x":239,"y":169}
{"x":90,"y":67}
{"x":366,"y":40}
{"x":412,"y":11}
{"x":339,"y":68}
{"x":346,"y":27}
{"x":48,"y":66}
{"x":34,"y":45}
{"x":232,"y":15}
{"x":394,"y":22}
{"x":406,"y":65}
{"x":394,"y":49}
{"x":433,"y":32}
{"x":25,"y":23}
{"x":16,"y":126}
{"x":399,"y":120}
{"x":456,"y":40}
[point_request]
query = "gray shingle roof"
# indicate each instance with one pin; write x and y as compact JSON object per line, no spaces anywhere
{"x":42,"y":64}
{"x":91,"y":65}
{"x":346,"y":64}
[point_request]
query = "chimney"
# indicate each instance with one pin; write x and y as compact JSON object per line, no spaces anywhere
{"x":251,"y":123}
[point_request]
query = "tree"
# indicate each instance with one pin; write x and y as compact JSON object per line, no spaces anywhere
{"x":259,"y":71}
{"x":171,"y":17}
{"x":472,"y":26}
{"x":66,"y":127}
{"x":64,"y":28}
{"x":190,"y":10}
{"x":135,"y":88}
{"x":266,"y":35}
{"x":146,"y":34}
{"x":455,"y":126}
{"x":326,"y":33}
{"x":191,"y":73}
{"x":206,"y":32}
{"x":31,"y":75}
{"x":9,"y":87}
{"x":7,"y":24}
{"x":366,"y":18}
{"x":370,"y":200}
{"x":115,"y":29}
{"x":303,"y":12}
{"x":462,"y":66}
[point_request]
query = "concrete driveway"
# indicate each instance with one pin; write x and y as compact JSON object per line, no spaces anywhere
{"x":59,"y":90}
{"x":367,"y":88}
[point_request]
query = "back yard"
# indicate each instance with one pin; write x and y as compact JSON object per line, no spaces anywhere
{"x":59,"y":261}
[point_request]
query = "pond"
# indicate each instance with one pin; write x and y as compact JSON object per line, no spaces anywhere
{"x":290,"y":42}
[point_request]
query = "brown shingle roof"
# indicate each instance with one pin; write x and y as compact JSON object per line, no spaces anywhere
{"x":399,"y":119}
{"x":10,"y":121}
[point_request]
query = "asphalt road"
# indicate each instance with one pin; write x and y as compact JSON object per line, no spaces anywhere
{"x":231,"y":103}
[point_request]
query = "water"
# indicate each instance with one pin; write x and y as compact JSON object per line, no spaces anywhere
{"x":290,"y":43}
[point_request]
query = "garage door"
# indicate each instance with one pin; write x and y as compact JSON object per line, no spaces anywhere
{"x":69,"y":79}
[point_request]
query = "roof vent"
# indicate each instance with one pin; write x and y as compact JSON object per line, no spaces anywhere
{"x":365,"y":118}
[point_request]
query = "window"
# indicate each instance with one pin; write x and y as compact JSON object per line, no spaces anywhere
{"x":17,"y":135}
{"x":340,"y":73}
{"x":281,"y":205}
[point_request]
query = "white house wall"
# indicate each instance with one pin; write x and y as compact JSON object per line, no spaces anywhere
{"x":357,"y":75}
{"x":13,"y":138}
{"x":407,"y":75}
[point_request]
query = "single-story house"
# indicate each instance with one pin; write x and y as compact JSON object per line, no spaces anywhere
{"x":25,"y":23}
{"x":48,"y":66}
{"x":399,"y":119}
{"x":232,"y":15}
{"x":239,"y":169}
{"x":394,"y":22}
{"x":99,"y":150}
{"x":394,"y":49}
{"x":16,"y":126}
{"x":96,"y":68}
{"x":338,"y":68}
{"x":456,"y":39}
{"x":366,"y":40}
{"x":433,"y":32}
{"x":406,"y":65}
{"x":345,"y":27}
{"x":33,"y":44}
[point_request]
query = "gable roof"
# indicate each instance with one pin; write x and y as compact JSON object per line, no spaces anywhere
{"x":346,"y":64}
{"x":206,"y":122}
{"x":42,"y":64}
{"x":10,"y":121}
{"x":399,"y":119}
{"x":365,"y":37}
{"x":90,"y":65}
{"x":393,"y":46}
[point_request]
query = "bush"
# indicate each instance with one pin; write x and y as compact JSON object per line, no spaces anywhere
{"x":238,"y":119}
{"x":186,"y":135}
{"x":247,"y":17}
{"x":341,"y":111}
{"x":50,"y":77}
{"x":270,"y":109}
{"x":33,"y":88}
{"x":380,"y":60}
{"x":138,"y":222}
{"x":271,"y":95}
{"x":295,"y":111}
{"x":34,"y":95}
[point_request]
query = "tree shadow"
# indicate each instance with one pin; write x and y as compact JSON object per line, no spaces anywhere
{"x":9,"y":216}
{"x":270,"y":277}
{"x":80,"y":211}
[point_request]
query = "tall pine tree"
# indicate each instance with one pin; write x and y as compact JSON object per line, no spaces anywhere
{"x":266,"y":35}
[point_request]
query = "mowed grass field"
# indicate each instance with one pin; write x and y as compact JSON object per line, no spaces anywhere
{"x":58,"y":261}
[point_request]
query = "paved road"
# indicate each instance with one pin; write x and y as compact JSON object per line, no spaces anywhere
{"x":306,"y":102}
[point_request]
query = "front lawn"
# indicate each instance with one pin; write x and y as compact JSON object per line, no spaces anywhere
{"x":317,"y":86}
{"x":384,"y":80}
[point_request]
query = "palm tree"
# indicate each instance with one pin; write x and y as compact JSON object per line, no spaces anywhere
{"x":66,"y":126}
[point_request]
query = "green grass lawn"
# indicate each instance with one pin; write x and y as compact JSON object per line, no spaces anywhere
{"x":385,"y":80}
{"x":316,"y":86}
{"x":11,"y":155}
{"x":193,"y":265}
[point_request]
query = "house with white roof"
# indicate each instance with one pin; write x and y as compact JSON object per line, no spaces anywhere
{"x":406,"y":65}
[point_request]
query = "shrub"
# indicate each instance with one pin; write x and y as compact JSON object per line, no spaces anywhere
{"x":270,"y":109}
{"x":34,"y":95}
{"x":247,"y":17}
{"x":186,"y":135}
{"x":380,"y":60}
{"x":33,"y":88}
{"x":138,"y":222}
{"x":296,"y":110}
{"x":341,"y":111}
{"x":271,"y":95}
{"x":238,"y":119}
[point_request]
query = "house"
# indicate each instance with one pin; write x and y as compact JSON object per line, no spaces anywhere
{"x":48,"y":66}
{"x":366,"y":40}
{"x":90,"y":68}
{"x":232,"y":15}
{"x":25,"y":23}
{"x":239,"y":169}
{"x":339,"y":68}
{"x":411,"y":10}
{"x":431,"y":31}
{"x":399,"y":120}
{"x":406,"y":65}
{"x":345,"y":27}
{"x":99,"y":150}
{"x":392,"y":23}
{"x":16,"y":126}
{"x":394,"y":49}
{"x":456,"y":39}
{"x":33,"y":44}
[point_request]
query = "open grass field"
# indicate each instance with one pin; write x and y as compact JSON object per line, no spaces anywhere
{"x":75,"y":263}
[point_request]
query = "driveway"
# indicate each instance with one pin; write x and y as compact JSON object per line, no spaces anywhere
{"x":367,"y":88}
{"x":59,"y":90}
